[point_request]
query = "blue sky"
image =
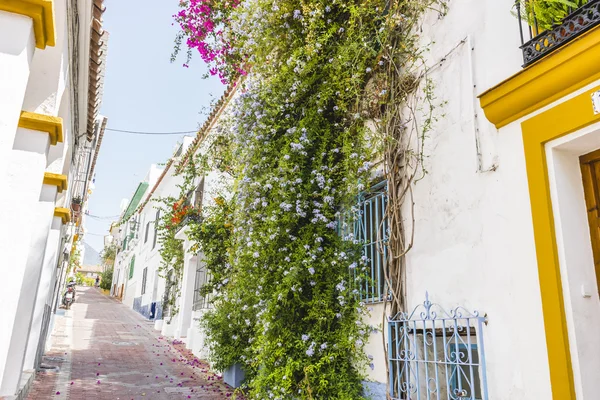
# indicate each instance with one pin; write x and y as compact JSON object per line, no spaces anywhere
{"x":143,"y":92}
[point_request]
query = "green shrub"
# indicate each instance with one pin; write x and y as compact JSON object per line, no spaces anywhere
{"x":547,"y":12}
{"x":106,"y":279}
{"x":79,"y":278}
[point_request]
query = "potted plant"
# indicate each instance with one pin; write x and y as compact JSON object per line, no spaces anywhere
{"x":76,"y":203}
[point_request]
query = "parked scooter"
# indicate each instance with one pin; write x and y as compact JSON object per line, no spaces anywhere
{"x":69,"y":296}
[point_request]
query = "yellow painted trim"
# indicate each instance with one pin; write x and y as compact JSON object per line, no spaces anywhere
{"x":60,"y":181}
{"x":561,"y":120}
{"x":63,"y":213}
{"x":43,"y":123}
{"x":564,"y":71}
{"x":42,"y":14}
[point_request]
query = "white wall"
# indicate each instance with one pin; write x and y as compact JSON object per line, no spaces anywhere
{"x":473,"y":231}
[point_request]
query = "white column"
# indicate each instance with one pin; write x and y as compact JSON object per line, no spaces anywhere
{"x":45,"y":289}
{"x":187,"y":287}
{"x":17,"y":45}
{"x":18,"y":213}
{"x":43,"y":214}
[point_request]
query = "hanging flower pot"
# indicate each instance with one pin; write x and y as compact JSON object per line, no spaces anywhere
{"x":76,"y":204}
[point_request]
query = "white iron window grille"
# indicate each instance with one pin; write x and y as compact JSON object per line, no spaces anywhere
{"x":436,"y":355}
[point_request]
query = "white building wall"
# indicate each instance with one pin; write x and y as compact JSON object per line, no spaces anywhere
{"x":473,"y":244}
{"x":148,"y":256}
{"x":32,"y":80}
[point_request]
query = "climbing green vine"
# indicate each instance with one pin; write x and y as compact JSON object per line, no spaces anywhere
{"x":331,"y":91}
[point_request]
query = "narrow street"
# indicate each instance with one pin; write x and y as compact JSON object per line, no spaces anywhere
{"x":104,"y":350}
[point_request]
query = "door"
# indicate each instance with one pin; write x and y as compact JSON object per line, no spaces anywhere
{"x":590,"y":171}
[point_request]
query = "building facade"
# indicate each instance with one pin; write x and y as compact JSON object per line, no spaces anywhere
{"x":501,"y":281}
{"x":51,"y":66}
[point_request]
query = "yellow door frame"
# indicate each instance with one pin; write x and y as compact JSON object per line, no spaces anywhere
{"x":565,"y":118}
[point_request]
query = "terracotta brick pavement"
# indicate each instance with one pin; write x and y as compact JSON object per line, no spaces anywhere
{"x":104,"y":350}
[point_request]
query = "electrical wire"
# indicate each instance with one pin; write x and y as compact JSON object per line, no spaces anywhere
{"x":150,"y":133}
{"x":98,"y":217}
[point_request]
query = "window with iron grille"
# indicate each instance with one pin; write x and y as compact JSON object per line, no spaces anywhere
{"x":201,"y":301}
{"x":156,"y":222}
{"x":198,"y":195}
{"x":144,"y":277}
{"x":371,"y":230}
{"x":147,"y":230}
{"x":435,"y":354}
{"x":131,"y":266}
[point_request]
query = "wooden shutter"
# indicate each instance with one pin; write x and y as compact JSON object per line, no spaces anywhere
{"x":590,"y":171}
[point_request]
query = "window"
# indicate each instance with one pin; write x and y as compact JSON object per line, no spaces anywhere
{"x":131,"y":266}
{"x":202,"y":278}
{"x":371,"y":229}
{"x":435,"y":353}
{"x":156,"y":222}
{"x":198,"y":195}
{"x":147,"y":230}
{"x":144,"y":277}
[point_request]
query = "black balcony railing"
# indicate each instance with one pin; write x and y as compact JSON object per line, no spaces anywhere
{"x":192,"y":217}
{"x":545,"y":37}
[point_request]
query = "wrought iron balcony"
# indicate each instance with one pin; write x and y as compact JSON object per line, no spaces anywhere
{"x":544,"y":41}
{"x":192,"y":217}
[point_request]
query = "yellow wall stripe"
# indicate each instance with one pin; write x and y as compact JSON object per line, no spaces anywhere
{"x":60,"y":181}
{"x":43,"y":123}
{"x":42,"y":13}
{"x":63,"y":213}
{"x":561,"y":120}
{"x":549,"y":79}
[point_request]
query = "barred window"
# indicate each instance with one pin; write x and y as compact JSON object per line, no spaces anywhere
{"x":144,"y":277}
{"x":202,"y":278}
{"x":434,"y":353}
{"x":156,"y":222}
{"x":371,"y":230}
{"x":147,"y":230}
